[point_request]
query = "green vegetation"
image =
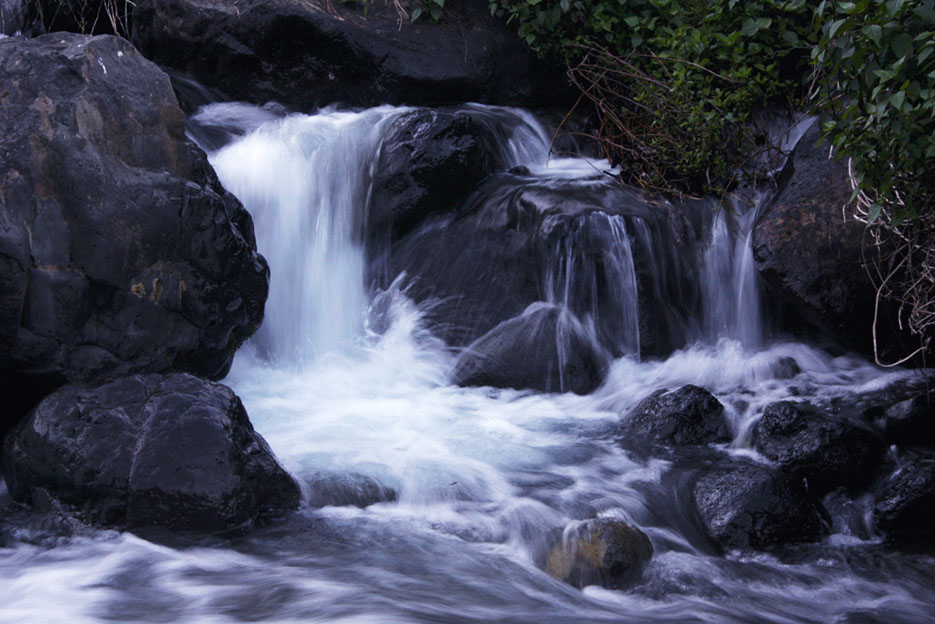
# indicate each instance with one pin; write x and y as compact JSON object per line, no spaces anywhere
{"x":877,"y":93}
{"x":676,"y":82}
{"x":878,"y":60}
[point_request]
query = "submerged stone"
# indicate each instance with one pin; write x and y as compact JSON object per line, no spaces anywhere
{"x":346,"y":489}
{"x":605,"y":552}
{"x":545,"y":348}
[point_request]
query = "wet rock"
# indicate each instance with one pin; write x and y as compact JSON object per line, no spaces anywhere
{"x":429,"y":161}
{"x":785,"y":368}
{"x":911,"y":422}
{"x":689,"y":415}
{"x":308,"y":54}
{"x":119,"y":250}
{"x":545,"y":348}
{"x":811,"y":257}
{"x":342,"y":489}
{"x":748,"y":505}
{"x":605,"y":552}
{"x":826,"y":452}
{"x":595,"y":248}
{"x":905,"y":504}
{"x":171,"y":451}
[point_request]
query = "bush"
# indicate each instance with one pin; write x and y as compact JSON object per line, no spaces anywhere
{"x":676,"y":82}
{"x":878,"y":59}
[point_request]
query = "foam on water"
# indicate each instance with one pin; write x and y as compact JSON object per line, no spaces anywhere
{"x":485,"y":479}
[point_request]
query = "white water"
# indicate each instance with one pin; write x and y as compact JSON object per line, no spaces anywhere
{"x":484,"y":477}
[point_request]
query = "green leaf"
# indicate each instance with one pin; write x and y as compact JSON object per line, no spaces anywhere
{"x":416,"y":12}
{"x":902,"y":45}
{"x":897,"y":99}
{"x":749,"y":28}
{"x":835,"y":26}
{"x":874,"y":32}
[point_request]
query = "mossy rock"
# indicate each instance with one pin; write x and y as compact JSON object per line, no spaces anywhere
{"x":605,"y":552}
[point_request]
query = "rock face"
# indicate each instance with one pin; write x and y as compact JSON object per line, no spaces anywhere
{"x":603,"y":552}
{"x":689,"y":415}
{"x":905,"y":505}
{"x":811,"y":258}
{"x":171,"y":451}
{"x":429,"y":161}
{"x":544,"y":348}
{"x":746,"y":505}
{"x":826,"y":452}
{"x":120,"y":252}
{"x":308,"y":54}
{"x":595,"y":249}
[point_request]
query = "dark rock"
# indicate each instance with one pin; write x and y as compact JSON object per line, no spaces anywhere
{"x":785,"y":368}
{"x":119,"y":250}
{"x":341,"y":489}
{"x":429,"y":161}
{"x":545,"y":348}
{"x":689,"y":415}
{"x":308,"y":54}
{"x":747,"y":505}
{"x":826,"y":452}
{"x":811,"y":258}
{"x":605,"y":552}
{"x":172,"y":451}
{"x":911,"y":422}
{"x":905,"y":505}
{"x":589,"y":245}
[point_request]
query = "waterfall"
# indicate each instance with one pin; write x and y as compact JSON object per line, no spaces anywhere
{"x":730,"y":289}
{"x":305,"y":179}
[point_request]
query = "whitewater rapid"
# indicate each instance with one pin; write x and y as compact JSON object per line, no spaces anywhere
{"x":345,"y":380}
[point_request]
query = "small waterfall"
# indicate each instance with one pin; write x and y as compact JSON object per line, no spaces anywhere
{"x":11,"y":17}
{"x":305,"y":180}
{"x":591,"y":273}
{"x":730,"y":289}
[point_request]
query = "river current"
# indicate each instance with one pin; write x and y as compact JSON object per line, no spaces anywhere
{"x":346,"y":381}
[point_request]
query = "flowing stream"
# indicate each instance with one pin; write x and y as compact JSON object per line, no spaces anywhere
{"x":347,"y":382}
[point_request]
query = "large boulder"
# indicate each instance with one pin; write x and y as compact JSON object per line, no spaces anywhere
{"x":429,"y":161}
{"x":605,"y":551}
{"x":689,"y":415}
{"x":119,"y":250}
{"x":826,"y":452}
{"x":306,"y":54}
{"x":545,"y":348}
{"x":905,"y":504}
{"x":600,"y":251}
{"x":172,"y":451}
{"x":747,"y":505}
{"x":810,"y":253}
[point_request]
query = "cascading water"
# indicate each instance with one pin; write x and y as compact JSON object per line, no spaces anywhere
{"x":482,"y":481}
{"x":306,"y":179}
